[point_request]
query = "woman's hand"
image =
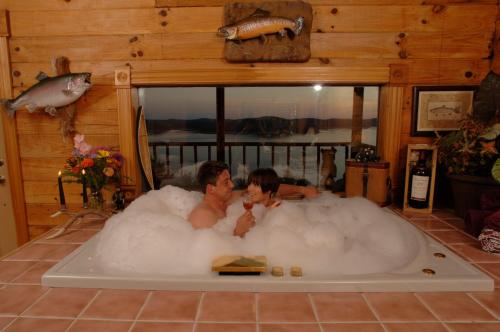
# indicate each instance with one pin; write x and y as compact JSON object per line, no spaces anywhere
{"x":244,"y":223}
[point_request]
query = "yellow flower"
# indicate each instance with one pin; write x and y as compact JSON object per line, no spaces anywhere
{"x":103,"y":153}
{"x":108,"y":171}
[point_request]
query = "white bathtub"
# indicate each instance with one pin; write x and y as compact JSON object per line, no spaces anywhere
{"x":451,"y":273}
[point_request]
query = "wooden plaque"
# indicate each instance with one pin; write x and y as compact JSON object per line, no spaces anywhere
{"x":287,"y":49}
{"x":240,"y":264}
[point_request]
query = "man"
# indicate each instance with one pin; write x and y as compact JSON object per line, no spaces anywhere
{"x":217,"y":186}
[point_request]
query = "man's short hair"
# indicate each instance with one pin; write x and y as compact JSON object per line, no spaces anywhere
{"x":209,"y":171}
{"x":266,"y":178}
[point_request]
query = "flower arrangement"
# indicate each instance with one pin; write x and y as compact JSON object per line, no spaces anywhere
{"x":471,"y":150}
{"x":95,"y":167}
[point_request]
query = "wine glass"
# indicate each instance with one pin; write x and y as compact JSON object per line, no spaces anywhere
{"x":247,"y":203}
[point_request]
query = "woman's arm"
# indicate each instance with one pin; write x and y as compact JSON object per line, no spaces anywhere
{"x":288,"y":189}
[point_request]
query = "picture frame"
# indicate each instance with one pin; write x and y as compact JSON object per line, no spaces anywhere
{"x":440,"y":108}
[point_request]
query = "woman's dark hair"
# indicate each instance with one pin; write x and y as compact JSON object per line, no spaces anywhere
{"x":209,"y":171}
{"x":266,"y":178}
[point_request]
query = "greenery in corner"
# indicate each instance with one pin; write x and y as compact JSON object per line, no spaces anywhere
{"x":468,"y":150}
{"x":473,"y":149}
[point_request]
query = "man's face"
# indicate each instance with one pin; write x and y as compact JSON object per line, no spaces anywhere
{"x":223,"y":186}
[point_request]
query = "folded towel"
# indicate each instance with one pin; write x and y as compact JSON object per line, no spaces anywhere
{"x":490,"y":240}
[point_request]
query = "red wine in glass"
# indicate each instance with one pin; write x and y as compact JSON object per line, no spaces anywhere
{"x":247,"y":204}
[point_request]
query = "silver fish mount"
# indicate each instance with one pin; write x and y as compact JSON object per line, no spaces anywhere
{"x":50,"y":93}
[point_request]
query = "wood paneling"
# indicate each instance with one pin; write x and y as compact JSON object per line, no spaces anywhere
{"x":87,"y":123}
{"x":278,"y":75}
{"x":201,"y":3}
{"x":53,"y":146}
{"x":12,"y":148}
{"x":30,"y":5}
{"x":470,"y":45}
{"x":421,"y":71}
{"x":4,"y":28}
{"x":209,"y":19}
{"x":388,"y":142}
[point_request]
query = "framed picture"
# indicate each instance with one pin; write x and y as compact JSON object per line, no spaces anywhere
{"x":439,"y":108}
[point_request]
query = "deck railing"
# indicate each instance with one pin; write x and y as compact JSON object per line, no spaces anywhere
{"x":196,"y":146}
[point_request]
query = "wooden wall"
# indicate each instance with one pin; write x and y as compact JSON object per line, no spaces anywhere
{"x":442,"y":42}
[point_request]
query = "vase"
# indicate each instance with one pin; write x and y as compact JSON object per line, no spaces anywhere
{"x":96,"y":200}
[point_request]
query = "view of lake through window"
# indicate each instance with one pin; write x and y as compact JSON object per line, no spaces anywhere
{"x":292,"y":129}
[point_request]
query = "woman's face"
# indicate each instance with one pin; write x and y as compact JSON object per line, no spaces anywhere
{"x":256,"y":194}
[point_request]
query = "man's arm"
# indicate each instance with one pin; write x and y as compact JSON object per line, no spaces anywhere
{"x":288,"y":189}
{"x":202,"y":217}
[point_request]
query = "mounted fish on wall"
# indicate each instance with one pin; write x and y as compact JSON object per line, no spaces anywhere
{"x":267,"y":31}
{"x":50,"y":93}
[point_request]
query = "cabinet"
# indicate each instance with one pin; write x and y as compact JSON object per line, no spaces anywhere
{"x":413,"y":153}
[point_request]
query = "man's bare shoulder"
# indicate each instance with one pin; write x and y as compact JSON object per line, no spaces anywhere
{"x":202,"y":216}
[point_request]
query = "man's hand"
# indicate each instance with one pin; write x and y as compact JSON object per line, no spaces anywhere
{"x":309,"y":192}
{"x":244,"y":223}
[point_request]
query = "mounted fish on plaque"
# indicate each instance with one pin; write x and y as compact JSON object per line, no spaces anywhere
{"x":267,"y":31}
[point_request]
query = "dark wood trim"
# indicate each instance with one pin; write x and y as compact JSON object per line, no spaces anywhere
{"x":220,"y":123}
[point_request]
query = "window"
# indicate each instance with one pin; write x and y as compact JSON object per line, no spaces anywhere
{"x":288,"y":128}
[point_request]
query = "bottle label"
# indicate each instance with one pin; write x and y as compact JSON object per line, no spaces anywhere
{"x":419,"y":187}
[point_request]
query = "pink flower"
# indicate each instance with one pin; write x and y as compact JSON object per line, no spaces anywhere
{"x":81,"y":145}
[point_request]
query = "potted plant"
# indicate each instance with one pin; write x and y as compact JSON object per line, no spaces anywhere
{"x":469,"y":155}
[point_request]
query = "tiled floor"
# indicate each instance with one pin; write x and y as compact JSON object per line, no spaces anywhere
{"x":26,"y":306}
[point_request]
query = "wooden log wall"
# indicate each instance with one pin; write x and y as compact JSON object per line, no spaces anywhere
{"x":436,"y":42}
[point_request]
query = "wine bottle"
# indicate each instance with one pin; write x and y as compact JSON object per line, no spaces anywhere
{"x":420,"y":177}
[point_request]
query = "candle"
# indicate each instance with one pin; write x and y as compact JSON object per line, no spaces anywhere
{"x":84,"y":193}
{"x":62,"y":200}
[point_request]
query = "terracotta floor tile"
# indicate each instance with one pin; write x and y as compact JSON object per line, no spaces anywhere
{"x":415,"y":327}
{"x":39,"y":325}
{"x":431,"y":224}
{"x":62,"y":302}
{"x":398,"y":307}
{"x":15,"y":299}
{"x":99,"y":326}
{"x":491,"y":300}
{"x":285,"y":307}
{"x":34,"y":274}
{"x":116,"y":304}
{"x":452,"y":237}
{"x":10,"y":270}
{"x":4,"y":321}
{"x":474,"y":327}
{"x":162,"y":327}
{"x":457,"y":223}
{"x":74,"y":236}
{"x":171,"y":306}
{"x":341,"y":307}
{"x":225,"y":327}
{"x":352,"y":327}
{"x":35,"y":251}
{"x":454,"y":306}
{"x":62,"y":251}
{"x":492,"y":268}
{"x":314,"y":327}
{"x":444,"y":213}
{"x":222,"y":306}
{"x":474,"y":253}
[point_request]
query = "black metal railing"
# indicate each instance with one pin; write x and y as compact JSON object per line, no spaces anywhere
{"x":209,"y":146}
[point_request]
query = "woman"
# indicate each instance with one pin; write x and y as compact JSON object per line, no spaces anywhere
{"x":263,"y":184}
